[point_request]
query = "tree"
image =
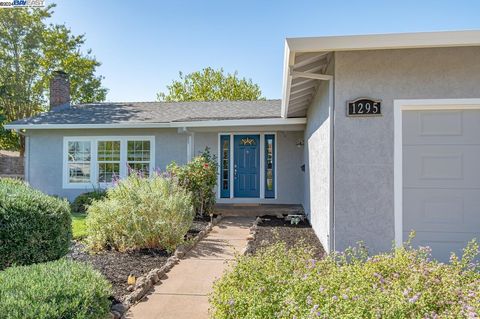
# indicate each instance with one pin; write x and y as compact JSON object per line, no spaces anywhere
{"x":211,"y":85}
{"x":30,"y":50}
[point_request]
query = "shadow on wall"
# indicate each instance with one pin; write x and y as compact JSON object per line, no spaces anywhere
{"x":316,"y":137}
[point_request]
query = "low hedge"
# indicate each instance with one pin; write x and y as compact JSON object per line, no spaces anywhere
{"x":140,"y":212}
{"x":58,"y":289}
{"x":34,"y":227}
{"x":406,"y":283}
{"x":82,"y":201}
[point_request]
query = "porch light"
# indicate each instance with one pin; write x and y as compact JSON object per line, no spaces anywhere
{"x":300,"y":142}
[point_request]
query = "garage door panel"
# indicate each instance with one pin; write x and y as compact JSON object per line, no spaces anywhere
{"x":443,"y":244}
{"x":441,"y":210}
{"x":442,"y":166}
{"x":441,"y":179}
{"x":453,"y":126}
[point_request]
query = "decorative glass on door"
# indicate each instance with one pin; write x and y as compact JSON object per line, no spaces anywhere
{"x":247,"y":141}
{"x":270,"y":166}
{"x":224,"y":166}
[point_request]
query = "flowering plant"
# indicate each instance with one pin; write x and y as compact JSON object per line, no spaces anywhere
{"x":405,"y":283}
{"x":199,"y":177}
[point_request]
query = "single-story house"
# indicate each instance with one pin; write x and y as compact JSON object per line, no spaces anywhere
{"x":375,"y":135}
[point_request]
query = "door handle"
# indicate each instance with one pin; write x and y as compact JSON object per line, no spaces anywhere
{"x":235,"y":170}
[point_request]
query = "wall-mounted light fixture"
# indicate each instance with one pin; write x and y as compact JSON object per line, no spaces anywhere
{"x":300,"y":142}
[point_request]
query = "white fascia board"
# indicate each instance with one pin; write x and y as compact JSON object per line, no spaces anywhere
{"x":289,"y":60}
{"x":212,"y":123}
{"x":84,"y":126}
{"x":386,"y":41}
{"x":248,"y":122}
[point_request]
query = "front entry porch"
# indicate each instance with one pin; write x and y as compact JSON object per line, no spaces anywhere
{"x":256,"y":210}
{"x":247,"y":163}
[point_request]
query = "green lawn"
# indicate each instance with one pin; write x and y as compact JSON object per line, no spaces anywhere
{"x":78,"y":226}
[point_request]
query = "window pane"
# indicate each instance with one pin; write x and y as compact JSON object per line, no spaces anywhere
{"x":108,"y":151}
{"x":79,"y":151}
{"x":79,"y":172}
{"x":225,"y":163}
{"x":143,"y":168}
{"x":269,"y":166}
{"x":225,"y":166}
{"x":138,"y":151}
{"x":108,"y":171}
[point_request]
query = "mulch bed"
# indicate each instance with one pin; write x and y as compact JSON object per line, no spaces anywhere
{"x":116,"y":266}
{"x":272,"y":230}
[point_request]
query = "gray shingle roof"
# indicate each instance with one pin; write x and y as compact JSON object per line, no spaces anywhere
{"x":156,"y":112}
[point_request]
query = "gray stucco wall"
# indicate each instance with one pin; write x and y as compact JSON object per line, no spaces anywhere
{"x":317,"y":165}
{"x":45,"y":158}
{"x":289,"y":174}
{"x":363,"y":168}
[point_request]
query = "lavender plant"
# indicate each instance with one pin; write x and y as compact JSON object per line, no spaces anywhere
{"x":405,"y":283}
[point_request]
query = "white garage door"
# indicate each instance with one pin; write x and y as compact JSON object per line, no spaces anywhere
{"x":441,"y":178}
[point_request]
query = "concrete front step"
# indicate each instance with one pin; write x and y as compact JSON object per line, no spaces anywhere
{"x":254,"y":210}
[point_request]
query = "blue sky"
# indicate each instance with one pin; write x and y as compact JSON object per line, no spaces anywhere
{"x":143,"y":44}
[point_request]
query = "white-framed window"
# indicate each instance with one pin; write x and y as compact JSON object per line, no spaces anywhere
{"x":98,"y":160}
{"x":139,"y":155}
{"x":108,"y":160}
{"x":79,"y":158}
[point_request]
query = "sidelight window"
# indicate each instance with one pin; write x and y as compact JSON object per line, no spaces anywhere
{"x":225,"y":167}
{"x":270,"y":166}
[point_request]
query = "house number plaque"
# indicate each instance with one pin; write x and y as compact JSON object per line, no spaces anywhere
{"x":364,"y":107}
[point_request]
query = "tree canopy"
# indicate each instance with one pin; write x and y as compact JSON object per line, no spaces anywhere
{"x":211,"y":85}
{"x":30,"y":50}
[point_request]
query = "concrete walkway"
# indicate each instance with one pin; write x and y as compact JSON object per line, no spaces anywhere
{"x":183,"y":292}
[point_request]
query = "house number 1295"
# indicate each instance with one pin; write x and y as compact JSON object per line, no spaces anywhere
{"x":364,"y":107}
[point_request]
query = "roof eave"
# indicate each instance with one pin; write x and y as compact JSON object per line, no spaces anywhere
{"x":209,"y":123}
{"x":369,"y":42}
{"x":386,"y":41}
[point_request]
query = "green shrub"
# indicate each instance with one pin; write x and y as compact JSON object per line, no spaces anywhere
{"x":81,"y":203}
{"x":199,"y":177}
{"x":34,"y":227}
{"x":139,"y":212}
{"x":58,"y":289}
{"x":281,"y":283}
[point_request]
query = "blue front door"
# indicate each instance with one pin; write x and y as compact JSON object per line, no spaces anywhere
{"x":246,"y":166}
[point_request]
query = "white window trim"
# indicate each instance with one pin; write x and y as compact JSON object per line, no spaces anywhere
{"x":94,"y":162}
{"x":262,"y":167}
{"x":415,"y":105}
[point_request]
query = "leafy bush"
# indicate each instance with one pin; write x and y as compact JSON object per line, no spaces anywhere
{"x":281,"y":283}
{"x":81,"y":203}
{"x":34,"y":227}
{"x":58,"y":289}
{"x":139,"y":212}
{"x":199,"y":177}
